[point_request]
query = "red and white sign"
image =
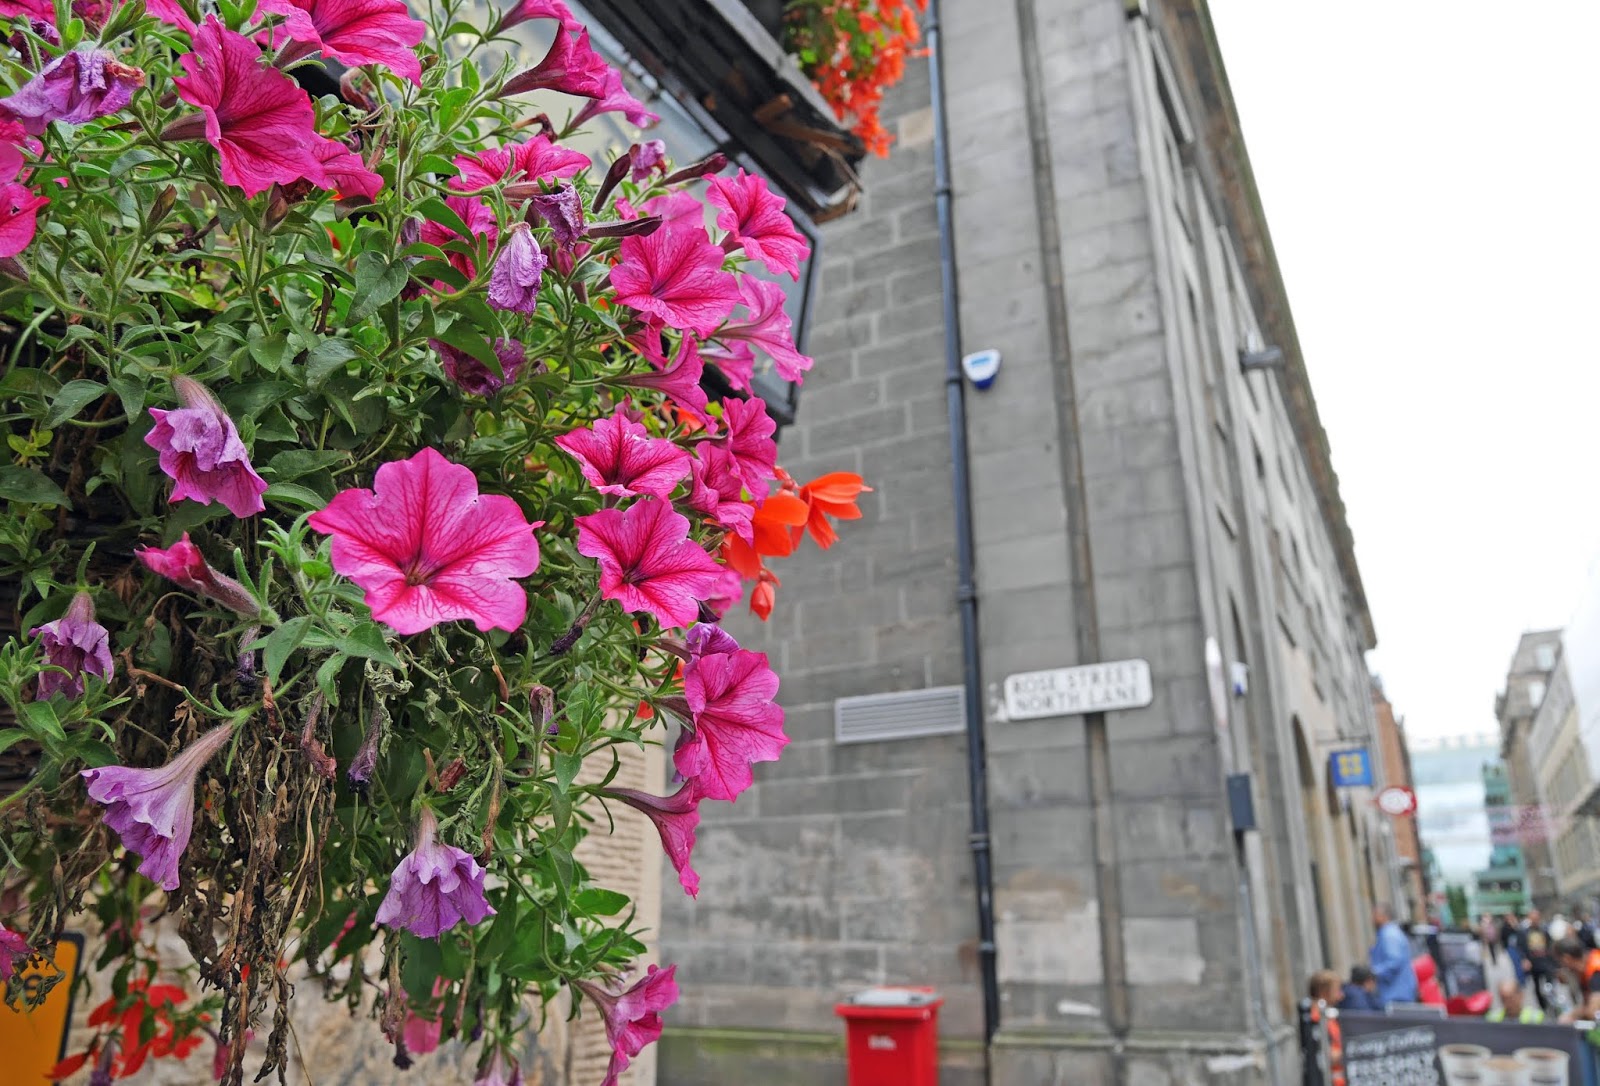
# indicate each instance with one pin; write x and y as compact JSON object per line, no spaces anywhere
{"x":1397,"y":801}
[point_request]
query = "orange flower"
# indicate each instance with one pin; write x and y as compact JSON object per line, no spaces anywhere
{"x":772,"y":523}
{"x":762,"y":596}
{"x":832,"y":495}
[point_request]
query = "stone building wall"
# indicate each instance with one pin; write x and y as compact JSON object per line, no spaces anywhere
{"x":1102,"y":250}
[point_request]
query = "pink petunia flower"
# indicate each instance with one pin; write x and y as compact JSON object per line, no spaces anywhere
{"x":647,"y":560}
{"x":171,"y":12}
{"x":260,"y":122}
{"x":19,"y":211}
{"x":428,"y":548}
{"x":767,"y":326}
{"x":749,"y":439}
{"x":539,"y":159}
{"x":676,"y":277}
{"x":42,"y":10}
{"x":13,"y":949}
{"x":74,"y":88}
{"x":152,"y":810}
{"x":618,"y":456}
{"x":518,"y":271}
{"x":736,"y":722}
{"x":184,"y":565}
{"x":13,"y":139}
{"x":680,"y":381}
{"x":78,"y":645}
{"x":718,"y":490}
{"x":633,"y":1016}
{"x":347,"y":171}
{"x":472,"y":375}
{"x":730,"y":590}
{"x":355,"y":32}
{"x":202,"y":453}
{"x":708,"y":637}
{"x":753,"y":217}
{"x":538,"y":9}
{"x":614,"y":98}
{"x":571,"y":67}
{"x":434,"y":888}
{"x":675,"y":818}
{"x":676,"y":209}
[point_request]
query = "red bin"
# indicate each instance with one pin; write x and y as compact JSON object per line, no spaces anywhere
{"x":892,"y":1036}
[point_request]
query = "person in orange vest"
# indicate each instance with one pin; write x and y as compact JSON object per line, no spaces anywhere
{"x":1325,"y":992}
{"x":1584,"y":969}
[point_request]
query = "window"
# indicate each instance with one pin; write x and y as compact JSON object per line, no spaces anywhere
{"x":1544,"y":657}
{"x":1536,"y":693}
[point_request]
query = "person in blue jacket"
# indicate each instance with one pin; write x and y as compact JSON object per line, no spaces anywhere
{"x":1361,"y":994}
{"x":1391,"y":960}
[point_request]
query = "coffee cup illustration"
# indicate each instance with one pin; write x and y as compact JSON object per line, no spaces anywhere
{"x":1544,"y":1066}
{"x":1464,"y":1064}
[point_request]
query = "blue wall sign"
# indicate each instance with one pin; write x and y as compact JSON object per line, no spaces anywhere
{"x":1350,"y":768}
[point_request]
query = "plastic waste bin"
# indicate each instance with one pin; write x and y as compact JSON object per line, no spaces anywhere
{"x":892,"y":1036}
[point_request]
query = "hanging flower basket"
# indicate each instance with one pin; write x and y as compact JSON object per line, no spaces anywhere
{"x":361,"y":492}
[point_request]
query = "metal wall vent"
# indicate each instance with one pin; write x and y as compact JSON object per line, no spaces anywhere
{"x":905,"y":714}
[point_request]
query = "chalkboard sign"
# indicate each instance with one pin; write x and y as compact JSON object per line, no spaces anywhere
{"x":1399,"y":1050}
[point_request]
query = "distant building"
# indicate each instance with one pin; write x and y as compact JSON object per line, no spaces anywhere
{"x":1395,"y":761}
{"x":1567,"y":784}
{"x":1451,"y":816}
{"x":1503,"y":885}
{"x":1527,"y":682}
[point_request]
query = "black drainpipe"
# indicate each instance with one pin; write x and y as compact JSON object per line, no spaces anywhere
{"x":966,"y":589}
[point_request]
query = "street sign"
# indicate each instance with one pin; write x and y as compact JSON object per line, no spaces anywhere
{"x":1397,"y":801}
{"x":1068,"y":691}
{"x":1351,"y":768}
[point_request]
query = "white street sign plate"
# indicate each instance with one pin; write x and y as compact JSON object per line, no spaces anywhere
{"x":1068,"y":691}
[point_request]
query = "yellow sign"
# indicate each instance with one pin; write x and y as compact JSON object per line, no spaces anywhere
{"x":34,"y":1041}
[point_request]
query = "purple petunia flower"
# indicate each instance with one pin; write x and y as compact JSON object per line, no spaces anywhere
{"x":13,"y":949}
{"x":75,"y":87}
{"x":563,"y":210}
{"x":472,"y":376}
{"x":202,"y":453}
{"x":514,"y":285}
{"x":152,"y":810}
{"x":434,"y":888}
{"x":78,"y":645}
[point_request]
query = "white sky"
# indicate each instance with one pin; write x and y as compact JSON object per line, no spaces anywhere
{"x":1431,"y":179}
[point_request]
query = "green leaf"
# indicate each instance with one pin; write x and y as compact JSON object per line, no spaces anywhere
{"x":131,"y":392}
{"x":73,"y":397}
{"x":295,"y":496}
{"x":366,"y":641}
{"x":458,"y":335}
{"x":250,"y":400}
{"x":566,"y":767}
{"x":436,"y":210}
{"x":42,"y":722}
{"x":280,"y":644}
{"x":294,"y":463}
{"x":378,"y":283}
{"x":9,"y":738}
{"x":26,"y":485}
{"x":598,"y":901}
{"x":327,"y":357}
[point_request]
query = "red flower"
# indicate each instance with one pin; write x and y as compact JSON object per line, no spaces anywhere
{"x":833,"y":495}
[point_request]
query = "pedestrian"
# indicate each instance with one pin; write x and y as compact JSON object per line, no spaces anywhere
{"x":1510,"y":938}
{"x":1583,"y":969}
{"x":1361,"y":994}
{"x":1391,"y":959}
{"x":1513,"y":1008}
{"x":1498,"y":964}
{"x":1324,"y":991}
{"x":1535,"y":941}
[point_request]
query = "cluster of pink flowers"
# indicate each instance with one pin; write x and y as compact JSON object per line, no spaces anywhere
{"x":424,"y":544}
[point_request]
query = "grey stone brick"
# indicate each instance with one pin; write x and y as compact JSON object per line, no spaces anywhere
{"x":879,"y":424}
{"x":920,"y":349}
{"x":916,"y":283}
{"x":838,"y":794}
